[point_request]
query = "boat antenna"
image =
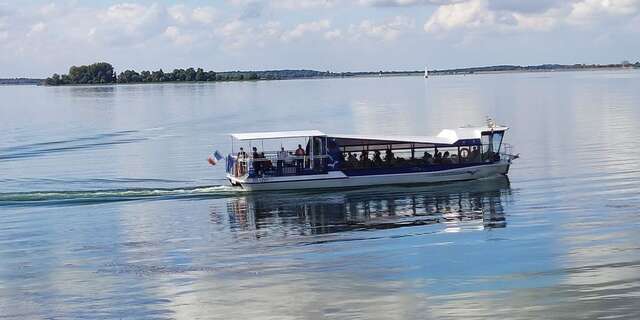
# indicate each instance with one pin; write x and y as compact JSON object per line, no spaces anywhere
{"x":490,"y":123}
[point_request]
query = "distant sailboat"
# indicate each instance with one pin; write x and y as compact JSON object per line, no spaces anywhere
{"x":426,"y":72}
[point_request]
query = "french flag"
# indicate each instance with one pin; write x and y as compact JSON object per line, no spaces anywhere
{"x":214,"y":158}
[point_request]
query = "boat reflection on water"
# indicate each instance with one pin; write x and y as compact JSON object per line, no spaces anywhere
{"x":472,"y":204}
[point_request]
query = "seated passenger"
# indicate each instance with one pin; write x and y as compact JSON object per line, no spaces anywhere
{"x":364,"y":159}
{"x":266,"y":163}
{"x":388,"y":156}
{"x":427,"y":158}
{"x":438,"y":158}
{"x":475,"y":155}
{"x":352,"y":160}
{"x":377,"y":159}
{"x":445,"y":158}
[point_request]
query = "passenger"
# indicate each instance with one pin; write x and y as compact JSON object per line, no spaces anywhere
{"x":438,"y":158}
{"x":377,"y":159}
{"x":445,"y":158}
{"x":427,"y":158}
{"x":364,"y":159}
{"x":283,"y":155}
{"x":257,"y":165}
{"x":242,"y":165}
{"x":388,"y":157}
{"x":266,"y":165}
{"x":475,"y":154}
{"x":299,"y":158}
{"x":352,"y":159}
{"x":242,"y":154}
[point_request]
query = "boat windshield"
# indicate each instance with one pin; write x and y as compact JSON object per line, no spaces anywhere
{"x":491,"y":142}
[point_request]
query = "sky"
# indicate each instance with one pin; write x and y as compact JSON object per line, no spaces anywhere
{"x":38,"y":38}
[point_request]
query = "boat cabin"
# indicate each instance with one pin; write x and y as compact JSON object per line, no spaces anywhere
{"x":293,"y":153}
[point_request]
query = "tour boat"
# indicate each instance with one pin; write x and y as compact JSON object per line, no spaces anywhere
{"x":311,"y":159}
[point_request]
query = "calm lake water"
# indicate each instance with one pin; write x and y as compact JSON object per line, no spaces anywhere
{"x":108,"y":208}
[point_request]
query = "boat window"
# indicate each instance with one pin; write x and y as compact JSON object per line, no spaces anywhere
{"x":496,"y":141}
{"x":486,"y":143}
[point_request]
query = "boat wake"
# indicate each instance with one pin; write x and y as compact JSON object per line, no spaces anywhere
{"x":36,"y":198}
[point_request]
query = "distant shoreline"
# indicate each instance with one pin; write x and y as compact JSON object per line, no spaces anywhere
{"x":312,"y":74}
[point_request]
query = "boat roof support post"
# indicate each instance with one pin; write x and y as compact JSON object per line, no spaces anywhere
{"x":312,"y":142}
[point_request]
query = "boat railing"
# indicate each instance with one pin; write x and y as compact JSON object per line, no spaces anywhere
{"x":506,"y":151}
{"x":271,"y":165}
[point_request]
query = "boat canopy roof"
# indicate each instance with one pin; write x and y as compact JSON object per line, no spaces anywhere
{"x":460,"y":136}
{"x":346,"y":140}
{"x":277,"y":135}
{"x":447,"y":137}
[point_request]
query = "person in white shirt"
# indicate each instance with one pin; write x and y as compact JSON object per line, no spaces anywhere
{"x":282,"y":158}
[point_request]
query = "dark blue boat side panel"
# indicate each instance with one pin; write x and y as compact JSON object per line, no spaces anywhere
{"x":429,"y":168}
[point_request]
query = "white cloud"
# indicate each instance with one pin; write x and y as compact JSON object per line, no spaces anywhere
{"x":587,"y":12}
{"x":309,"y":27}
{"x":272,"y":28}
{"x":49,"y":9}
{"x":204,"y":15}
{"x":402,"y":3}
{"x":36,"y":29}
{"x":387,"y":31}
{"x":303,"y":4}
{"x":235,"y":34}
{"x":177,"y":37}
{"x":185,"y":15}
{"x":477,"y":16}
{"x":333,"y":34}
{"x":126,"y":24}
{"x":179,"y":13}
{"x":473,"y":13}
{"x":539,"y":22}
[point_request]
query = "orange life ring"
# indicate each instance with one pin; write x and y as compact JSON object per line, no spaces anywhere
{"x":464,"y":153}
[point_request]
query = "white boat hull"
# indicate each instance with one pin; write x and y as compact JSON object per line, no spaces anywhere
{"x":337,"y":179}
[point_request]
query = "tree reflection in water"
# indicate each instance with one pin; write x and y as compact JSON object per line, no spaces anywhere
{"x":472,"y":204}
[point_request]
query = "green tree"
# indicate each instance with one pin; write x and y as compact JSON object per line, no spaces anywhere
{"x":54,"y":80}
{"x":200,"y":75}
{"x":146,"y":76}
{"x":157,"y":76}
{"x":190,"y":74}
{"x":178,"y":75}
{"x":100,"y":72}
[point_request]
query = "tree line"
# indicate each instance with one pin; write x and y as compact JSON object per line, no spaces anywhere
{"x":103,"y":73}
{"x":96,"y":73}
